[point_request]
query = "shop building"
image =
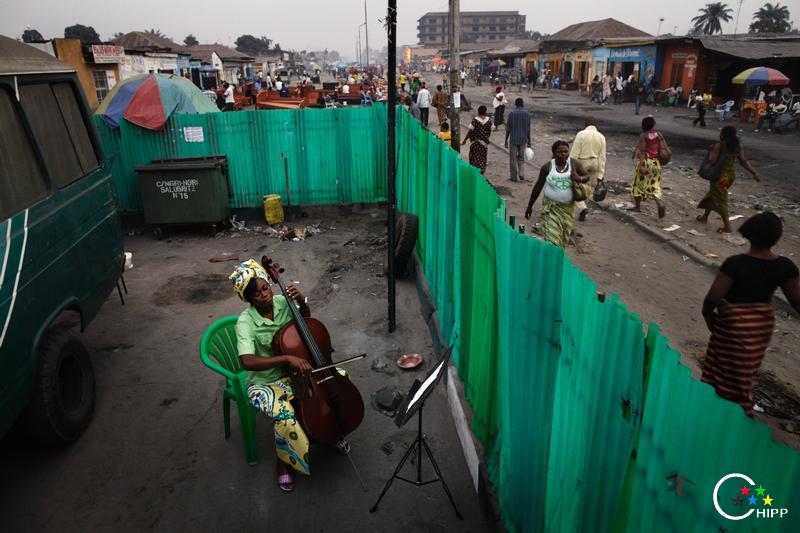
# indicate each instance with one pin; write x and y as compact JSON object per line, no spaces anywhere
{"x":480,"y":26}
{"x":570,"y":54}
{"x":97,"y":66}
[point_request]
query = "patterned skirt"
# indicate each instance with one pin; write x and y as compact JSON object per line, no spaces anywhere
{"x":716,"y":199}
{"x":478,"y":153}
{"x":274,"y":400}
{"x":647,"y":180}
{"x":739,"y":339}
{"x":556,"y":221}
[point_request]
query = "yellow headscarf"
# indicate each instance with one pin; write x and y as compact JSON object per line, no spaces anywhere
{"x":244,"y":273}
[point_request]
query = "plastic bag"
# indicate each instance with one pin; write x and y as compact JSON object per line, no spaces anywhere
{"x":600,"y":191}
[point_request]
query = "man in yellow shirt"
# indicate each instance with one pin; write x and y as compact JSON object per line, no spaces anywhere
{"x":402,"y":81}
{"x":590,"y":149}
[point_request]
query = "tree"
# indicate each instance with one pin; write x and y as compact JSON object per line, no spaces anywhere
{"x":333,"y":56}
{"x":534,"y":35}
{"x":117,"y":36}
{"x":253,"y":46}
{"x":277,"y":47}
{"x":710,"y":19}
{"x":31,"y":35}
{"x":156,"y":33}
{"x":191,"y":40}
{"x":771,"y":19}
{"x":85,"y":34}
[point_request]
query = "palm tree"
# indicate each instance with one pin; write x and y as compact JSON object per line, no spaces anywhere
{"x":708,"y":22}
{"x":771,"y":19}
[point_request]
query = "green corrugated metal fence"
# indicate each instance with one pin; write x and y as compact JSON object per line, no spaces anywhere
{"x":588,"y":423}
{"x":334,"y":155}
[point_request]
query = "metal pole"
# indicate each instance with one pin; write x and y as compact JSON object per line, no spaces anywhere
{"x":391,"y":107}
{"x":366,"y":31}
{"x":455,"y":71}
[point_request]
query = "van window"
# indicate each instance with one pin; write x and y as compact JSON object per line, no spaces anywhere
{"x":21,"y":179}
{"x":58,"y":126}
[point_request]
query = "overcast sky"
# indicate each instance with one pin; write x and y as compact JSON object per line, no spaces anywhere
{"x":317,"y":24}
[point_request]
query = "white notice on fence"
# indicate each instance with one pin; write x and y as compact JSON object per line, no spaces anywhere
{"x":193,"y":135}
{"x":457,"y":100}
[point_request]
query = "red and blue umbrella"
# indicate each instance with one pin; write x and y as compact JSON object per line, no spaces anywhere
{"x":760,"y":76}
{"x":149,"y":100}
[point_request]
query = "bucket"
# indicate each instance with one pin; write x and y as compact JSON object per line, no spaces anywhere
{"x":273,"y":210}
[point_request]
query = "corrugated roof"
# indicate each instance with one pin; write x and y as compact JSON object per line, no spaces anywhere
{"x":753,"y":49}
{"x":595,"y":30}
{"x":19,"y":58}
{"x":203,"y":51}
{"x":143,"y":40}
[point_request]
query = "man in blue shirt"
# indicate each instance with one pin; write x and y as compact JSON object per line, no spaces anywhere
{"x":518,"y":130}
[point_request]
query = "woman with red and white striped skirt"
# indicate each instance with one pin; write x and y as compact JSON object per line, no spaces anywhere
{"x":738,"y":310}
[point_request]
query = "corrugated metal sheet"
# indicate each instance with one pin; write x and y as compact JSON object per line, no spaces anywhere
{"x":333,"y":155}
{"x":587,"y":424}
{"x":753,"y":48}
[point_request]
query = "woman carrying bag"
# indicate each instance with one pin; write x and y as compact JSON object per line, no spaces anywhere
{"x":564,"y":182}
{"x":720,"y":167}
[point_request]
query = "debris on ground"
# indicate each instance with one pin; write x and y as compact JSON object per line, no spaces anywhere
{"x":386,"y":400}
{"x":672,"y":227}
{"x":696,"y":233}
{"x":735,"y":239}
{"x":222,"y":258}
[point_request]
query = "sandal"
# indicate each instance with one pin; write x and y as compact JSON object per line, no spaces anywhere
{"x":286,"y":483}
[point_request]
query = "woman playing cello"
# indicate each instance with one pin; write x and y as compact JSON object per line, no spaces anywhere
{"x":268,"y":384}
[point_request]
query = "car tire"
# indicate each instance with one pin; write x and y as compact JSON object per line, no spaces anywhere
{"x":64,"y":392}
{"x":406,"y":232}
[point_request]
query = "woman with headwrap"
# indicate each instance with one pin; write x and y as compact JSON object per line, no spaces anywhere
{"x":268,"y":384}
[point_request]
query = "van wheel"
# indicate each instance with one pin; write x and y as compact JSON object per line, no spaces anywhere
{"x":406,"y":232}
{"x":64,"y":392}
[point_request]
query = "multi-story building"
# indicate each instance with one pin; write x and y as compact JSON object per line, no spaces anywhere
{"x":476,"y":26}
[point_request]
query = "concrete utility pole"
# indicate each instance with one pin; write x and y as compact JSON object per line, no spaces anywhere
{"x":455,"y":73}
{"x":366,"y":31}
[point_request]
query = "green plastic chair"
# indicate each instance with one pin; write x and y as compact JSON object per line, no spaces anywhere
{"x":218,"y":352}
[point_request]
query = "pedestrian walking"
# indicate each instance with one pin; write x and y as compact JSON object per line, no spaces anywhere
{"x":412,"y":107}
{"x":618,"y":88}
{"x":402,"y":81}
{"x":463,"y":75}
{"x":589,"y":148}
{"x":647,"y":171}
{"x":479,"y":131}
{"x":424,"y":104}
{"x":738,"y":310}
{"x":499,"y":103}
{"x":558,"y":205}
{"x":230,"y":100}
{"x":701,"y":112}
{"x":518,"y":131}
{"x":606,"y":88}
{"x":533,"y":76}
{"x":729,"y":148}
{"x":637,"y":88}
{"x":441,"y":101}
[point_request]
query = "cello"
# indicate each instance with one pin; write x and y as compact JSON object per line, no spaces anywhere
{"x":326,"y":403}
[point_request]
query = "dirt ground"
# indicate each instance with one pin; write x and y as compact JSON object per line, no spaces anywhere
{"x":656,"y":281}
{"x":155,"y":458}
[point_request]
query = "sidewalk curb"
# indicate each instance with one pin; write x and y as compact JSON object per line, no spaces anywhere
{"x":460,"y":410}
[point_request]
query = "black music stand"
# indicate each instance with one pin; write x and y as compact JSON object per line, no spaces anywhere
{"x":414,"y":402}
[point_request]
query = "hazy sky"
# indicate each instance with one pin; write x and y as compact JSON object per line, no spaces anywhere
{"x":316,"y":24}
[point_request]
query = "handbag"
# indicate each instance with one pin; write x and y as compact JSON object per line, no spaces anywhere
{"x":600,"y":191}
{"x":664,"y":152}
{"x":711,"y":171}
{"x":580,"y":191}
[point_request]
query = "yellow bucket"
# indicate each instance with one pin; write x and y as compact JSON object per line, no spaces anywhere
{"x":273,"y":210}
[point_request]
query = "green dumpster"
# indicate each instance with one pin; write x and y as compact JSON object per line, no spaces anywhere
{"x":191,"y":190}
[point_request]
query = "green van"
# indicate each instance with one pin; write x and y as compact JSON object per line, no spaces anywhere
{"x":60,"y":244}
